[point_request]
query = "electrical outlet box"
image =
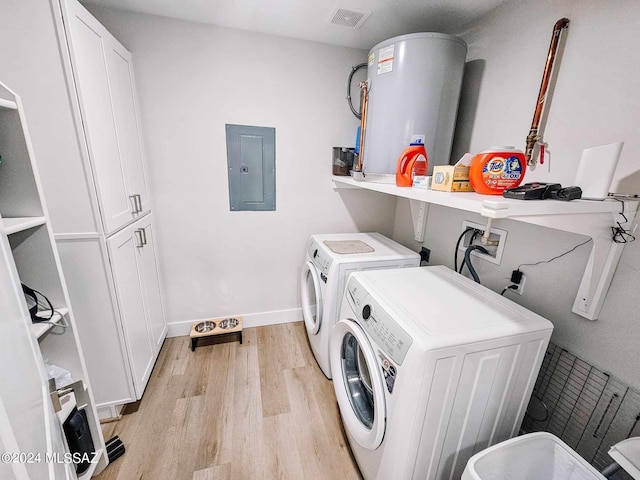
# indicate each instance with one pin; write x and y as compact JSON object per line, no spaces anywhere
{"x":497,"y":240}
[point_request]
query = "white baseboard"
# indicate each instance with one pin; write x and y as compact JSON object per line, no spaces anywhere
{"x":182,"y":328}
{"x":110,"y":413}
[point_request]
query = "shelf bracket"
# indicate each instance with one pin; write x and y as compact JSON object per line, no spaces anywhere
{"x":596,"y":279}
{"x":603,"y":259}
{"x":419,"y":212}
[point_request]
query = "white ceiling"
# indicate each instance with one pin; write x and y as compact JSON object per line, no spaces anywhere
{"x":310,"y":19}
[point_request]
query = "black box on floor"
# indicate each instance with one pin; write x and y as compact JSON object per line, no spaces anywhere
{"x":115,"y":448}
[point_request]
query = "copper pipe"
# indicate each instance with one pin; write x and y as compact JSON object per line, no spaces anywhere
{"x":364,"y":87}
{"x":533,"y":136}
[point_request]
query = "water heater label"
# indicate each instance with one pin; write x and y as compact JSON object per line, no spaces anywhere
{"x":372,"y":58}
{"x":385,"y":59}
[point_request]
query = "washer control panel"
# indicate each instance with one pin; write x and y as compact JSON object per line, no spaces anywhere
{"x":378,"y":324}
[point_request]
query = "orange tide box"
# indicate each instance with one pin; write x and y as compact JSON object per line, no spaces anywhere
{"x":452,"y":178}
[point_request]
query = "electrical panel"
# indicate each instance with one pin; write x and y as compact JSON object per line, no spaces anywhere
{"x":251,"y":159}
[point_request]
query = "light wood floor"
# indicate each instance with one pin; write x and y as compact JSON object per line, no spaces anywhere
{"x":260,"y":410}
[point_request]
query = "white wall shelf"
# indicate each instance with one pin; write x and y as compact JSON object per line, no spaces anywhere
{"x":8,"y":104}
{"x":39,"y":329}
{"x":15,"y":225}
{"x":486,"y":205}
{"x":584,"y":217}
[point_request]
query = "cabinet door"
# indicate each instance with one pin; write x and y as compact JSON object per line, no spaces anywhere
{"x":125,"y":251}
{"x":86,"y":269}
{"x":151,"y":283}
{"x":87,"y":39}
{"x":123,"y":94}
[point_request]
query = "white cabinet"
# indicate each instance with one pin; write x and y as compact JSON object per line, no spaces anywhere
{"x":28,"y":422}
{"x":103,"y":76}
{"x":112,"y":279}
{"x":136,"y":281}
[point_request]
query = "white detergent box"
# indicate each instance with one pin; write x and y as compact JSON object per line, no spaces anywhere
{"x":422,"y":181}
{"x":453,"y":178}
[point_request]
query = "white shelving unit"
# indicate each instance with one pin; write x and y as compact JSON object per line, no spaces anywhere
{"x":591,"y":218}
{"x":28,"y":420}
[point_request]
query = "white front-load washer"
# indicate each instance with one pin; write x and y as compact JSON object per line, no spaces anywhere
{"x":330,"y":258}
{"x":430,"y":368}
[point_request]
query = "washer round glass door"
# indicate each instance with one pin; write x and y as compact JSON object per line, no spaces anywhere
{"x":359,"y":388}
{"x":311,"y":298}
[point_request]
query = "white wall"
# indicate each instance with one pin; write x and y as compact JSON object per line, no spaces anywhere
{"x":595,"y":101}
{"x":192,"y":79}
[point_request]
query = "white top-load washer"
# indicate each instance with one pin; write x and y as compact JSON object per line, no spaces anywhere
{"x":330,"y":258}
{"x":430,"y":368}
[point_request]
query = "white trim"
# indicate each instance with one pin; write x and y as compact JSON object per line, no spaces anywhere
{"x":182,"y":328}
{"x":110,"y":413}
{"x":66,"y":237}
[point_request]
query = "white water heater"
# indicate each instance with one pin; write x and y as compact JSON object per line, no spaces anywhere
{"x":414,"y":89}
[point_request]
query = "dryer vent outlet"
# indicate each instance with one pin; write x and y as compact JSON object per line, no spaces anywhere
{"x":497,"y":240}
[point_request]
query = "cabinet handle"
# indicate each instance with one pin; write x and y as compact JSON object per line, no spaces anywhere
{"x":140,"y":237}
{"x":144,"y":236}
{"x":134,"y":204}
{"x":139,"y":202}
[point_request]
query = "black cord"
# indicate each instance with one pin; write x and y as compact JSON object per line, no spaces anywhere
{"x":620,"y":235}
{"x":467,"y":260}
{"x":510,"y":287}
{"x":554,"y":258}
{"x":622,"y":212}
{"x":455,"y":254}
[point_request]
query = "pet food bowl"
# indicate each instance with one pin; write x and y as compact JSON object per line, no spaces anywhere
{"x":228,"y":323}
{"x":206,"y":326}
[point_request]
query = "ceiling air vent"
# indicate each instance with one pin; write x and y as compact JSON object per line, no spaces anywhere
{"x":349,"y":18}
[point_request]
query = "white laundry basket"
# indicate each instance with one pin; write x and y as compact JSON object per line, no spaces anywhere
{"x":535,"y":456}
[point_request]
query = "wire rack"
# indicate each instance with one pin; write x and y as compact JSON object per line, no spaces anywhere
{"x":585,"y":407}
